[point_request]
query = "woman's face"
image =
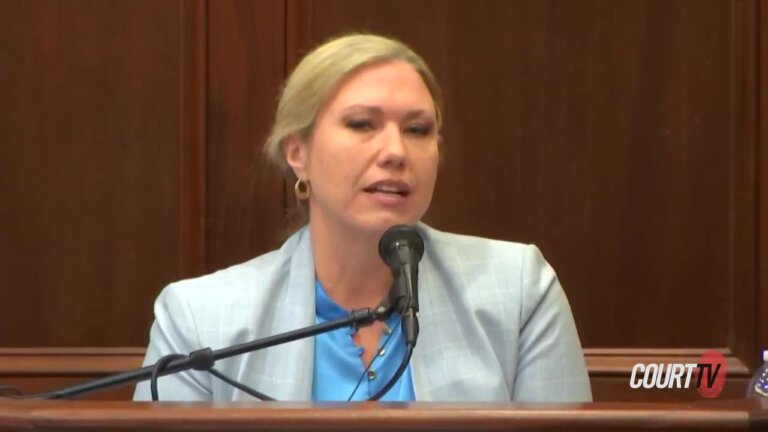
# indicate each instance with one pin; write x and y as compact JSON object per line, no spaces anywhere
{"x":372,"y":159}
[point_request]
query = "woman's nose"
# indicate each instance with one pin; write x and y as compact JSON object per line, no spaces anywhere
{"x":393,"y":147}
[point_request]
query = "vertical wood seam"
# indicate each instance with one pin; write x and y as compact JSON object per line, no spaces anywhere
{"x":762,"y":175}
{"x":192,"y":137}
{"x":743,"y":213}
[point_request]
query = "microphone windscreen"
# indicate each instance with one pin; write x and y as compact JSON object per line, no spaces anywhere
{"x":400,"y":236}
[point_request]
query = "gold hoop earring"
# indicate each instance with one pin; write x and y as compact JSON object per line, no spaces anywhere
{"x":301,"y":188}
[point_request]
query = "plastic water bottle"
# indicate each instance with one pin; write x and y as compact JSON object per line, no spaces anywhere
{"x":758,"y":387}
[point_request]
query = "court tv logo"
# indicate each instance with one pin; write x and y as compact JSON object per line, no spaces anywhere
{"x":707,"y":375}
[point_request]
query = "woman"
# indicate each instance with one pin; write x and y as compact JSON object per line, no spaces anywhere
{"x":357,"y":127}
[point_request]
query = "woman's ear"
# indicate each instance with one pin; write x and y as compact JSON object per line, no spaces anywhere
{"x":296,"y":155}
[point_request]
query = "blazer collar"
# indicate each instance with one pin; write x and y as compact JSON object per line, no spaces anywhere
{"x":429,"y":364}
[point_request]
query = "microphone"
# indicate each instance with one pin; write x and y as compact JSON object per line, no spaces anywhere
{"x":401,"y":247}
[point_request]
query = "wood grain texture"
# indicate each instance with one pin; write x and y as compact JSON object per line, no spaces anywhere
{"x":193,"y":136}
{"x":89,"y":168}
{"x":744,"y":229}
{"x":618,"y":390}
{"x":605,"y":133}
{"x":45,"y":369}
{"x":725,"y":416}
{"x":68,"y":362}
{"x":245,"y":199}
{"x":625,"y":138}
{"x":762,"y":188}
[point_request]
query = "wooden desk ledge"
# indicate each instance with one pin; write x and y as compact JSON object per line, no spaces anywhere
{"x":734,"y":415}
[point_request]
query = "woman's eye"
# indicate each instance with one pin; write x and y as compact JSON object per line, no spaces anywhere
{"x":360,"y":125}
{"x":419,"y":130}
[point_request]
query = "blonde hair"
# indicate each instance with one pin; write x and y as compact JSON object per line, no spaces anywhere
{"x":317,"y":77}
{"x":321,"y":72}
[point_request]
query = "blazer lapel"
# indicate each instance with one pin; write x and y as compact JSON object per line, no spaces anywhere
{"x":298,"y":311}
{"x":285,"y":372}
{"x":450,"y":363}
{"x":429,"y":363}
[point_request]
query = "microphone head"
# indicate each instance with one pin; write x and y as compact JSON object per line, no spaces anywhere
{"x":400,"y":236}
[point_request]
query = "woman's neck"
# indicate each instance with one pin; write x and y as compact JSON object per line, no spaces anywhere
{"x":348,"y":265}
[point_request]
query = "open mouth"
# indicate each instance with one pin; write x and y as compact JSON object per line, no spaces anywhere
{"x":389,"y":187}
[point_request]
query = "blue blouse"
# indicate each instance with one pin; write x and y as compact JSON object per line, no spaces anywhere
{"x":339,"y":364}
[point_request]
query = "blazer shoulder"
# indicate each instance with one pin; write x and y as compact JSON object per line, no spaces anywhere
{"x":493,"y":264}
{"x":246,"y":283}
{"x":474,"y":248}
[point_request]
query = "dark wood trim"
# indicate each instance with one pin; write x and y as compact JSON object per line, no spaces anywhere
{"x":192,"y":132}
{"x":72,"y":351}
{"x":601,"y":362}
{"x":617,"y":389}
{"x":618,"y":362}
{"x":762,"y":185}
{"x":66,"y":415}
{"x":743,"y":204}
{"x":42,"y":369}
{"x":82,"y":362}
{"x":298,"y":27}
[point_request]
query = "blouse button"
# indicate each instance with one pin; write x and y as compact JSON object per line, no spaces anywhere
{"x":371,"y":375}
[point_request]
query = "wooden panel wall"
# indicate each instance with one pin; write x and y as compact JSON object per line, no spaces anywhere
{"x":582,"y":128}
{"x":761,"y":282}
{"x":246,"y":199}
{"x":90,"y":145}
{"x":625,"y":138}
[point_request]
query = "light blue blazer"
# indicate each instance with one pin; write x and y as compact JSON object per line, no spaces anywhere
{"x":495,"y":325}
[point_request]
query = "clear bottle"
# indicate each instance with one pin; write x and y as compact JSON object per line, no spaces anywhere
{"x":758,"y":386}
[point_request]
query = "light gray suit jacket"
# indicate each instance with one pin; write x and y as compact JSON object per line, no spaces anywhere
{"x":495,"y":325}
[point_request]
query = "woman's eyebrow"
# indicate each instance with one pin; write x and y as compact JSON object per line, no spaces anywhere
{"x":418,"y":113}
{"x":373,"y":109}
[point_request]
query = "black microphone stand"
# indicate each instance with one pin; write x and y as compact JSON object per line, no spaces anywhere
{"x":205,"y":358}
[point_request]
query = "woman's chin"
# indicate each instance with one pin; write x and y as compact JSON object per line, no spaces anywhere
{"x":382,"y":223}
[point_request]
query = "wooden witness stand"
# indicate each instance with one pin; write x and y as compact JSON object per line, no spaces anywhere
{"x":733,"y":415}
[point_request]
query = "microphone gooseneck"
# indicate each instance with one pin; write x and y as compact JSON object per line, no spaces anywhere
{"x":401,"y":247}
